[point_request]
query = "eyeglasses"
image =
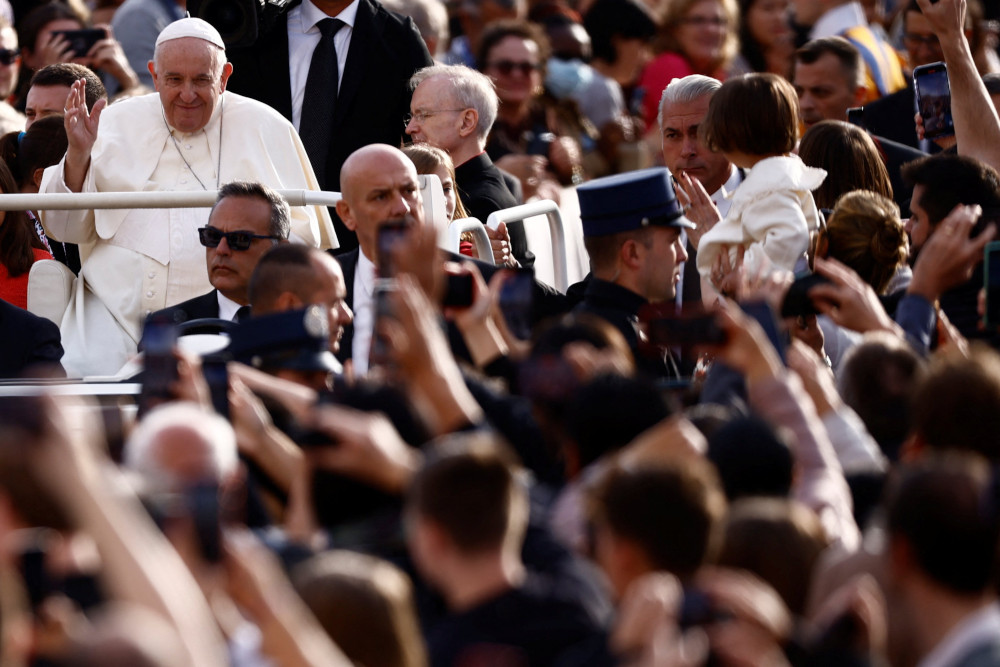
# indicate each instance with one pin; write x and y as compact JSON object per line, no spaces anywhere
{"x":422,"y":116}
{"x":922,"y":40}
{"x":507,"y":67}
{"x":700,"y":21}
{"x":241,"y":239}
{"x":9,"y":56}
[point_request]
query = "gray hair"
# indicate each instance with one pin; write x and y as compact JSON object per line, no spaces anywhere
{"x":472,"y":90}
{"x":686,"y":90}
{"x":430,"y":17}
{"x":211,"y":428}
{"x":280,"y":223}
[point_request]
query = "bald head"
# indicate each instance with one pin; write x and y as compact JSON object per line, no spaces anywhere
{"x":378,"y":183}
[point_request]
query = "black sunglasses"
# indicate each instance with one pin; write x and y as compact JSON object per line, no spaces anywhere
{"x":506,"y":67}
{"x":9,"y":56}
{"x":211,"y":237}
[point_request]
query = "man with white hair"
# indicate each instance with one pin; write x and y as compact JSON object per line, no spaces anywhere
{"x":453,"y":108}
{"x":682,"y":108}
{"x":190,"y":136}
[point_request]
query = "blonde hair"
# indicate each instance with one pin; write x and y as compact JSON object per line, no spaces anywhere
{"x":674,"y":15}
{"x":865,"y":233}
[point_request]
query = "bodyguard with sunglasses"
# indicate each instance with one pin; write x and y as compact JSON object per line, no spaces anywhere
{"x":248,"y":219}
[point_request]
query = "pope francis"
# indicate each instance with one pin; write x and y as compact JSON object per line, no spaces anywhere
{"x":189,"y":135}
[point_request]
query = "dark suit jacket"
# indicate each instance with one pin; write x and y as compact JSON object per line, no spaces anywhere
{"x":483,"y":190}
{"x":892,"y":117}
{"x":895,"y":156}
{"x":200,"y":307}
{"x":27,"y":341}
{"x":374,"y":95}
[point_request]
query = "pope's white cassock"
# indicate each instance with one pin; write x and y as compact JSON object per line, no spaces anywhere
{"x":136,"y":261}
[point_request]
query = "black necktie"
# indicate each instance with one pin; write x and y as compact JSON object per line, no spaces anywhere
{"x":320,"y":99}
{"x":242,"y":314}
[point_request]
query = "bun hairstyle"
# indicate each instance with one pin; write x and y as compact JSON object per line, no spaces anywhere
{"x":865,"y":233}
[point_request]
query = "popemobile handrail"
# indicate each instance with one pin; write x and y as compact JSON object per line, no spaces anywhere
{"x":66,"y":201}
{"x":483,"y":247}
{"x":548,"y":208}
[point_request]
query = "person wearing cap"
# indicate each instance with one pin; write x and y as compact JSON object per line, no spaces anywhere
{"x":632,"y":226}
{"x":190,"y":136}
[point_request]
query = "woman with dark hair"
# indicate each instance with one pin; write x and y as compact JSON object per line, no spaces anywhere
{"x":530,"y":139}
{"x":20,"y":247}
{"x":38,"y":33}
{"x":767,"y":43}
{"x":850,"y":158}
{"x":27,"y":154}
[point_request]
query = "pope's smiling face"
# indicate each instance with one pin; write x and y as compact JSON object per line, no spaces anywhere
{"x":190,"y":75}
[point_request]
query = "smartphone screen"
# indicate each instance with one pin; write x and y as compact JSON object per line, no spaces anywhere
{"x":856,"y":116}
{"x":797,"y":301}
{"x":930,"y":82}
{"x":390,"y":234}
{"x":217,"y":377}
{"x":458,"y":290}
{"x":81,"y":41}
{"x":159,"y":364}
{"x":517,"y":296}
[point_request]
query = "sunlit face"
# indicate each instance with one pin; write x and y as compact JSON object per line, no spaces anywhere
{"x":435,"y":117}
{"x":683,"y":151}
{"x":229,"y":270}
{"x":190,"y":76}
{"x":513,"y":64}
{"x":8,"y":73}
{"x":918,"y":226}
{"x":448,"y":184}
{"x":767,"y":22}
{"x":702,"y":33}
{"x":330,"y":293}
{"x":660,"y":271}
{"x":824,"y":91}
{"x":44,"y":101}
{"x":377,"y":187}
{"x":922,"y":45}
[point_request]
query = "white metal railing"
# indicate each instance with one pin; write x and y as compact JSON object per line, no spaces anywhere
{"x":550,"y":210}
{"x":67,"y":201}
{"x":462,"y":225}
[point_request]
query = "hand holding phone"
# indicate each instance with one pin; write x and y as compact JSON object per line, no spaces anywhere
{"x":933,"y":93}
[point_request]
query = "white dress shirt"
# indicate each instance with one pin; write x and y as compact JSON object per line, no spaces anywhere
{"x":364,"y":313}
{"x":227,"y":307}
{"x":303,"y":36}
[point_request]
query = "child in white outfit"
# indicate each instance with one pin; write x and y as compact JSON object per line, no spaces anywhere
{"x":753,"y":121}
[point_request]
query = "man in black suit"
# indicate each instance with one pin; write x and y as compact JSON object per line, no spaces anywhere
{"x":453,"y":108}
{"x":28,"y":343}
{"x":377,"y":52}
{"x":380,"y":185}
{"x":248,"y":219}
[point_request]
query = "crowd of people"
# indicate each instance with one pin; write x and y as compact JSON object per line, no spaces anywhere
{"x":764,"y":429}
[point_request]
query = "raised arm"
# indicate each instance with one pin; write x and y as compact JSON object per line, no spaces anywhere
{"x":977,"y":127}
